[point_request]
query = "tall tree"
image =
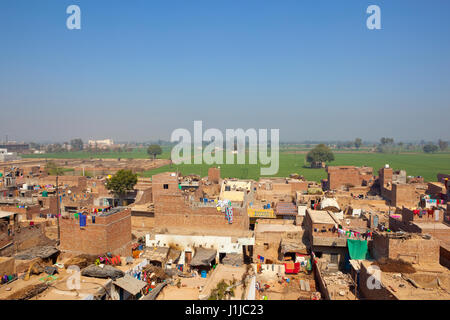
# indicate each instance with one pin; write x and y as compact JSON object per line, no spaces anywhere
{"x":430,"y":148}
{"x":320,"y":153}
{"x":154,"y":150}
{"x":385,"y":141}
{"x":76,"y":144}
{"x":121,"y":183}
{"x":358,"y":143}
{"x":443,"y":145}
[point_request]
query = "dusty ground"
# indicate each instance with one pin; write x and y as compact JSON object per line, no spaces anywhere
{"x":284,"y":290}
{"x":189,"y":289}
{"x":227,"y":273}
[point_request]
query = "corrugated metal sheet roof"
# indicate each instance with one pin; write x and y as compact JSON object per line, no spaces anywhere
{"x":130,"y":284}
{"x":286,"y":208}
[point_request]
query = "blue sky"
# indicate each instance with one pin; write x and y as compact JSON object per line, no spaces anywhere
{"x":139,"y":69}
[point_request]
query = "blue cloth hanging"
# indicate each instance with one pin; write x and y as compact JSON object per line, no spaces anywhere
{"x":83,"y":220}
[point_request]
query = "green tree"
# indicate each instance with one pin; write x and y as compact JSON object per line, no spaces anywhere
{"x":320,"y":153}
{"x":430,"y":148}
{"x":358,"y":143}
{"x":385,"y":141}
{"x":76,"y":144}
{"x":443,"y":145}
{"x":121,"y":183}
{"x":154,"y":150}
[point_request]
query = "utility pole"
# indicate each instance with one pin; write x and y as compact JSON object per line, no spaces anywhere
{"x":57,"y":206}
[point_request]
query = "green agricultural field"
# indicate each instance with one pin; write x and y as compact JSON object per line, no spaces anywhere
{"x":135,"y":154}
{"x":416,"y":164}
{"x":425,"y":165}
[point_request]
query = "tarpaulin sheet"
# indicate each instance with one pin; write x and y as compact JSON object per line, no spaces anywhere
{"x":357,"y":249}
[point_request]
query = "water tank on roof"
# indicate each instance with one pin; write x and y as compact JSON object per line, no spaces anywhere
{"x":386,"y":166}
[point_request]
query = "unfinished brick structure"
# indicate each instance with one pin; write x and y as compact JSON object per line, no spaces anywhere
{"x":435,"y":217}
{"x":111,"y":232}
{"x":404,"y":195}
{"x":268,"y":236}
{"x":175,"y":209}
{"x":26,"y":212}
{"x":319,"y":226}
{"x":388,"y":176}
{"x":343,"y":176}
{"x":214,"y":175}
{"x":7,"y":266}
{"x":71,"y":181}
{"x":414,"y":248}
{"x":366,"y":278}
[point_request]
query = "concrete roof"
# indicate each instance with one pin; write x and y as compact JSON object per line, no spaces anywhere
{"x":4,"y":214}
{"x":320,"y":216}
{"x":272,"y":227}
{"x":130,"y":284}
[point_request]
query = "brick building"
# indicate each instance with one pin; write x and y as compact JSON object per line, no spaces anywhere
{"x":111,"y":232}
{"x":345,"y":176}
{"x":175,"y":208}
{"x":214,"y":175}
{"x":320,"y":228}
{"x":408,"y":247}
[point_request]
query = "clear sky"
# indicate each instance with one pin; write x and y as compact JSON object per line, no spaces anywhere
{"x":139,"y":69}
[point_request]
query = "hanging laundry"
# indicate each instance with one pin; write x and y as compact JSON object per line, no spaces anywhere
{"x":83,"y":220}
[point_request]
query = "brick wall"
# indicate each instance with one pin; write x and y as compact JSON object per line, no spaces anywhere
{"x":108,"y":234}
{"x":343,"y":175}
{"x":4,"y":237}
{"x":173,"y":211}
{"x":409,"y":216}
{"x":416,"y":250}
{"x":28,"y":212}
{"x":214,"y":175}
{"x":7,"y":266}
{"x":30,"y":236}
{"x":75,"y":181}
{"x":404,"y":195}
{"x":373,"y":293}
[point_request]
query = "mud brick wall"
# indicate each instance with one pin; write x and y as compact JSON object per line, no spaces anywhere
{"x":426,"y":250}
{"x":7,"y":266}
{"x":340,"y":176}
{"x":28,"y":212}
{"x":214,"y":175}
{"x":408,"y":215}
{"x":4,"y":237}
{"x":142,"y":223}
{"x":372,"y":293}
{"x":413,"y":250}
{"x":299,"y":186}
{"x":71,"y":181}
{"x":404,"y":195}
{"x":172,"y":210}
{"x":444,"y":256}
{"x":30,"y":236}
{"x":108,"y":234}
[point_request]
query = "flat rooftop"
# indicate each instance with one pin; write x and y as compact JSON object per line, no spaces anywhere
{"x":272,"y":227}
{"x":321,"y":216}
